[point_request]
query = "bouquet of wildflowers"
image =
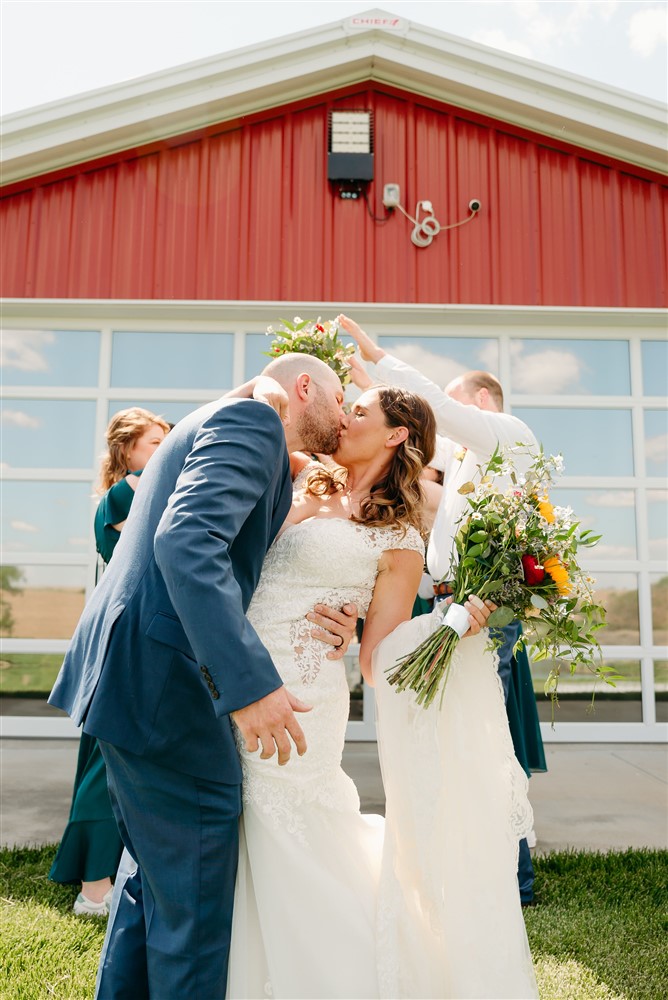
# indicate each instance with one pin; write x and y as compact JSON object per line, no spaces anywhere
{"x":514,"y":547}
{"x":320,"y":339}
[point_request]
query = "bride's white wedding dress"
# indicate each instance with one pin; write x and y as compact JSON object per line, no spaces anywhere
{"x":333,"y":904}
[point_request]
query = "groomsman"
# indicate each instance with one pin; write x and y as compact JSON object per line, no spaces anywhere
{"x":469,"y":415}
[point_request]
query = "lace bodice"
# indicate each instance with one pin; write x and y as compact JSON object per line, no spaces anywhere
{"x":332,"y":561}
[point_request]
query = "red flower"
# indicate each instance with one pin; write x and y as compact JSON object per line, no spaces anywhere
{"x":533,"y":571}
{"x":321,"y":328}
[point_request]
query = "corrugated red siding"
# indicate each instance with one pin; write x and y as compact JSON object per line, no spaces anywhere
{"x":246,"y":213}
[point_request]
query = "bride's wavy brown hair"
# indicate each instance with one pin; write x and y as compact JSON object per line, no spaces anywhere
{"x":397,"y":499}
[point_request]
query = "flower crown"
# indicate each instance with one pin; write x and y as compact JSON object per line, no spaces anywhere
{"x":319,"y":339}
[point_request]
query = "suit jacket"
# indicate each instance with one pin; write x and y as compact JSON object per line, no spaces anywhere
{"x":479,"y":431}
{"x":163,"y":651}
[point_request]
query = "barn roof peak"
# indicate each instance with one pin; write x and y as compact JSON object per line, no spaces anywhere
{"x":372,"y":46}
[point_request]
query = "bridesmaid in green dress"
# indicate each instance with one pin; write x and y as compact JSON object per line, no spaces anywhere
{"x":91,"y":846}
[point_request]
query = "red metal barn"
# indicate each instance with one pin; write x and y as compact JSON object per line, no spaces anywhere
{"x":176,"y":216}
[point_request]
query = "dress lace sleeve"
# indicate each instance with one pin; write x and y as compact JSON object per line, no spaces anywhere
{"x":396,"y":538}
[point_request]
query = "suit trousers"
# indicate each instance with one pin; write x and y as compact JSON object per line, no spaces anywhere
{"x":171,"y":915}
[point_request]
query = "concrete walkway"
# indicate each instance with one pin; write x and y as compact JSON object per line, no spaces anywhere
{"x":594,"y":796}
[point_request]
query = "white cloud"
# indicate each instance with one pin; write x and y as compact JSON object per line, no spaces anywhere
{"x":20,"y":419}
{"x":615,"y":498}
{"x":658,"y":548}
{"x":496,"y":38}
{"x":551,"y":370}
{"x":602,"y":551}
{"x":657,"y":496}
{"x":22,"y":349}
{"x":647,"y":31}
{"x":656,"y":448}
{"x":23,"y":526}
{"x":81,"y":542}
{"x":440,"y":370}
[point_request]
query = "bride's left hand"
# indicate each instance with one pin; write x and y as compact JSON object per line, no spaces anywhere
{"x":337,"y":628}
{"x":479,"y":611}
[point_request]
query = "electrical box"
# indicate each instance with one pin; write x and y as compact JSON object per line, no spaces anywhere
{"x":391,"y":195}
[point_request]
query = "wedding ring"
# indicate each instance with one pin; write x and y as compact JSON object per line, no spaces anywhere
{"x":340,"y":643}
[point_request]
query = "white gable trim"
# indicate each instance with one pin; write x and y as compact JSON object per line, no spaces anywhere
{"x":421,"y":60}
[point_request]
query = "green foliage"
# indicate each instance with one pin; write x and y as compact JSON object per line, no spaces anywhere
{"x":10,"y":578}
{"x":597,"y":933}
{"x":317,"y":338}
{"x":514,"y":547}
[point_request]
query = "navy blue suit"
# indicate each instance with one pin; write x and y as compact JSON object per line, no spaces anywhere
{"x":162,"y":654}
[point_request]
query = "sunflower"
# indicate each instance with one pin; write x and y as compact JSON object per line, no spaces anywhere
{"x":559,"y":574}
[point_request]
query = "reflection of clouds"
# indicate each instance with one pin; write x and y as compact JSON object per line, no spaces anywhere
{"x":23,"y":526}
{"x":614,"y":498}
{"x":440,"y":370}
{"x":22,"y":349}
{"x":657,"y":496}
{"x":658,"y":548}
{"x":20,"y":419}
{"x":551,"y":370}
{"x":656,"y":449}
{"x":82,"y":542}
{"x":602,"y":551}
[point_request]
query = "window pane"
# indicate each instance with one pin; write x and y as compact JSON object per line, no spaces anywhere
{"x":442,"y":359}
{"x":657,"y":524}
{"x":27,"y":679}
{"x":46,"y":517}
{"x":656,"y":442}
{"x":593,"y":442}
{"x":610,"y":513}
{"x":591,"y":367}
{"x":659,"y":610}
{"x":255,"y":359}
{"x":622,"y":703}
{"x":661,"y":689}
{"x":173,"y":360}
{"x":655,"y":367}
{"x":172,"y":411}
{"x":41,"y":602}
{"x":354,"y":678}
{"x":618,"y":593}
{"x":50,"y":357}
{"x":48,"y":434}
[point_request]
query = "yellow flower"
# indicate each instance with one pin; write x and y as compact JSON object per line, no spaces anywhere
{"x":559,"y":574}
{"x":546,"y":510}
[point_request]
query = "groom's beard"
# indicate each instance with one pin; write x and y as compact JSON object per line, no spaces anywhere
{"x":317,"y":428}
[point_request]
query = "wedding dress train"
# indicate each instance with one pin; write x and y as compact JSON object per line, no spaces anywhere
{"x":330,"y":903}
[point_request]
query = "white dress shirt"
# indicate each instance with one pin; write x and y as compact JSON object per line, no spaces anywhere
{"x":463,"y":426}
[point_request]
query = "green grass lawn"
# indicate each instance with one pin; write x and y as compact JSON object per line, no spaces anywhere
{"x":598,"y":933}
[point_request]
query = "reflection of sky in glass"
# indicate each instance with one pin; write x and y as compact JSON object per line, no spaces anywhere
{"x":655,"y":367}
{"x":443,"y":358}
{"x":610,"y":513}
{"x":173,"y":360}
{"x":48,"y":433}
{"x":46,"y":517}
{"x":593,"y":442}
{"x":255,"y":360}
{"x":172,"y":412}
{"x":656,"y":442}
{"x":594,"y":367}
{"x":50,"y":357}
{"x":657,"y":523}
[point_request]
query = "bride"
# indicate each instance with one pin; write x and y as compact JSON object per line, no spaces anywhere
{"x":330,"y":903}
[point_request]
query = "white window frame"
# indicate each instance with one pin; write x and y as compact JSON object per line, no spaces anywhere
{"x":504,"y":323}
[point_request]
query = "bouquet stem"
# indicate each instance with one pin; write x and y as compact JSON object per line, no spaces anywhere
{"x":427,"y":668}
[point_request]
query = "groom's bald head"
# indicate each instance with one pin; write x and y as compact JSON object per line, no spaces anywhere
{"x":289,"y":367}
{"x":315,"y":397}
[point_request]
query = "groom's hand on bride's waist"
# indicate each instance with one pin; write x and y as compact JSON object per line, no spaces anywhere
{"x":270,"y":723}
{"x":336,"y":627}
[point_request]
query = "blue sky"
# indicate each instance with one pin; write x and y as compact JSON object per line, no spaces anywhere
{"x":58,"y":48}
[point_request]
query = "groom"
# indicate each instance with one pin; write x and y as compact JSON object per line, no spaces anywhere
{"x":163,"y":656}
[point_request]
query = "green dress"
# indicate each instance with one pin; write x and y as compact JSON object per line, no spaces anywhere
{"x":91,"y":845}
